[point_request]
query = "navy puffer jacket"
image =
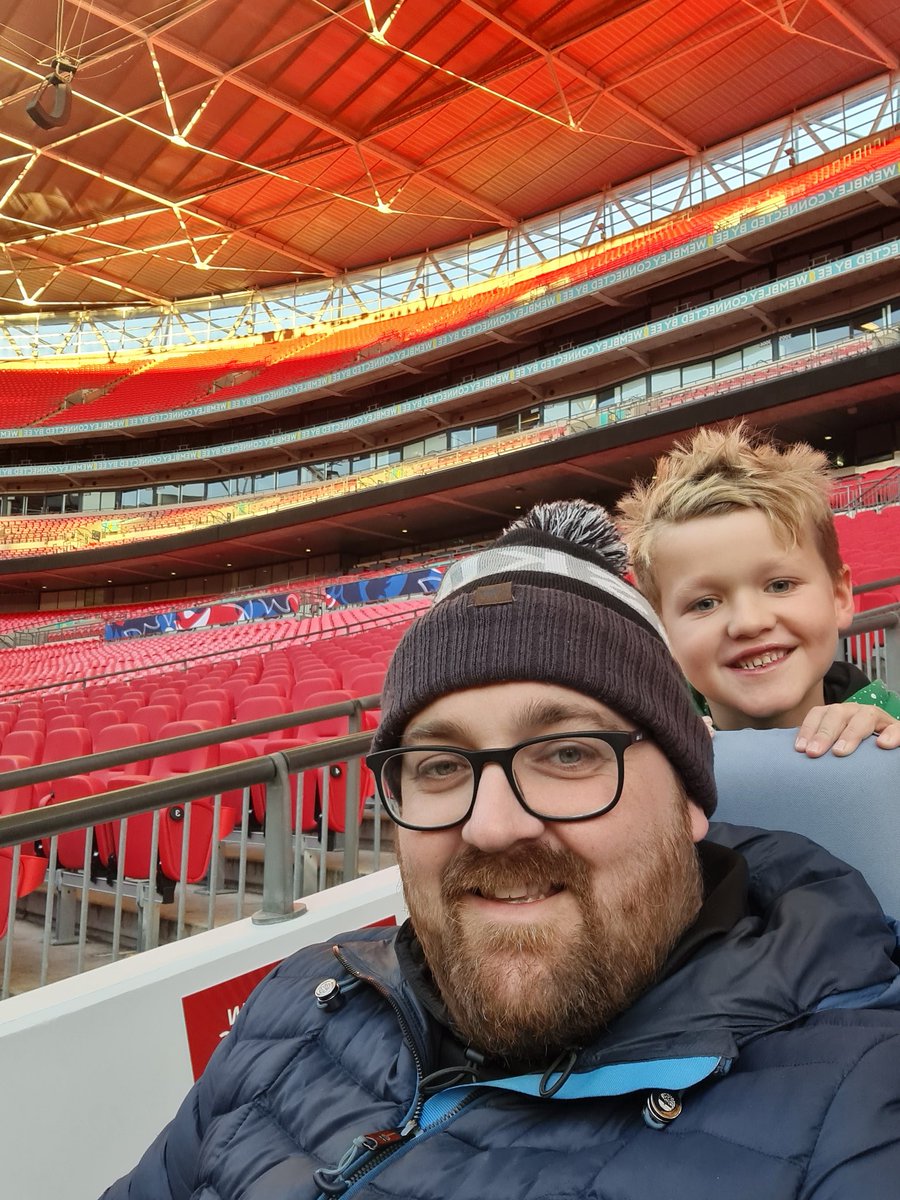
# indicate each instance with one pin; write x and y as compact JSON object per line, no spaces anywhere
{"x":781,"y":1042}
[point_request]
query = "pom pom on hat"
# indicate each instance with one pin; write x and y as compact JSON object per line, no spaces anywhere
{"x":581,"y":523}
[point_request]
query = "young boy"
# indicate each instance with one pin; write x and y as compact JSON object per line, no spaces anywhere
{"x":733,"y":543}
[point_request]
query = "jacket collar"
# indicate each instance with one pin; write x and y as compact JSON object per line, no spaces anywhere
{"x":813,"y":936}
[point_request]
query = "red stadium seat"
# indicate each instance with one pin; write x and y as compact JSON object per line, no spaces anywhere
{"x":171,"y":823}
{"x":32,"y":869}
{"x":70,"y":847}
{"x":27,"y":742}
{"x":154,"y":717}
{"x":16,"y":799}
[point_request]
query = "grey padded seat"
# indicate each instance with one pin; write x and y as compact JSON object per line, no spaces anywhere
{"x":851,"y":806}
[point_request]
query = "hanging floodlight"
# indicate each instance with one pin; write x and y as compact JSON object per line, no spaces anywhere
{"x":62,"y":72}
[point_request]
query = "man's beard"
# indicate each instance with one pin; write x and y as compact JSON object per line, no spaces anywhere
{"x":525,"y":992}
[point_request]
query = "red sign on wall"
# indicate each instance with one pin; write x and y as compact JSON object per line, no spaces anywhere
{"x":209,"y":1014}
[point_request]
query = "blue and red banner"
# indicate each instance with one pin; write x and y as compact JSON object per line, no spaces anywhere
{"x":226,"y":612}
{"x":385,"y":587}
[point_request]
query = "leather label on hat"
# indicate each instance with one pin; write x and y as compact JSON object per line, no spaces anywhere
{"x":493,"y":593}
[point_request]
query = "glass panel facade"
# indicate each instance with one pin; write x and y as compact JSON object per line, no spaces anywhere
{"x":583,"y":407}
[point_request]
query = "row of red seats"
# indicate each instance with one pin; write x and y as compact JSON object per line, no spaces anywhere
{"x":73,"y":724}
{"x":56,"y":662}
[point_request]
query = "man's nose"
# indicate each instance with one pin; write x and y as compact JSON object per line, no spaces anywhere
{"x":498,"y":820}
{"x":750,"y":614}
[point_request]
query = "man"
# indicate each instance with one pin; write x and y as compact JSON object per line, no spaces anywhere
{"x":591,"y":998}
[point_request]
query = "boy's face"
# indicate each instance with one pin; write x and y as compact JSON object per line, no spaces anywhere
{"x":753,"y":624}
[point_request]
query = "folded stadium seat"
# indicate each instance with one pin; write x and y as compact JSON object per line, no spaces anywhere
{"x":108,"y":779}
{"x":274,"y":659}
{"x":126,"y":705}
{"x":27,"y":742}
{"x":203,"y":691}
{"x":255,"y":708}
{"x":368,"y":685}
{"x":32,"y":868}
{"x":308,"y":685}
{"x":170,"y":697}
{"x":64,"y":720}
{"x":154,"y":716}
{"x":240,"y":750}
{"x":215,"y":680}
{"x":266,"y":690}
{"x":236,"y":686}
{"x":59,"y":745}
{"x":96,"y":721}
{"x":324,"y":730}
{"x":29,"y":722}
{"x":70,"y":847}
{"x":117,"y":736}
{"x":217,"y":712}
{"x":280,"y":677}
{"x":15,"y":799}
{"x":366,"y":681}
{"x":171,"y":825}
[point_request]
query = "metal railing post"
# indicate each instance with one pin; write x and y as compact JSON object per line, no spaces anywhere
{"x":278,"y":899}
{"x":892,"y":657}
{"x":351,"y":803}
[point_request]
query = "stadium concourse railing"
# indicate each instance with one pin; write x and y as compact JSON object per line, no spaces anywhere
{"x":873,"y":643}
{"x":286,"y":847}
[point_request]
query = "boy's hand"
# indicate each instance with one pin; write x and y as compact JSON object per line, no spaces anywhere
{"x":841,"y":727}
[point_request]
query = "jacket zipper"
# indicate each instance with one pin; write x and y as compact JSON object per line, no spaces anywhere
{"x":362,"y":1175}
{"x":375,"y":1148}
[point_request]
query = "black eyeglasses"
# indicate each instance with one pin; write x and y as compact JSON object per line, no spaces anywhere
{"x":557,"y":777}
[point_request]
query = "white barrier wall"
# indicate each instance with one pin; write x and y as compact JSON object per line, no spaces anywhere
{"x":93,"y":1067}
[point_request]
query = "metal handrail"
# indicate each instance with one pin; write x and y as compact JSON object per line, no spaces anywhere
{"x":70,"y":815}
{"x":887,"y":617}
{"x":876,"y":585}
{"x":44,"y":772}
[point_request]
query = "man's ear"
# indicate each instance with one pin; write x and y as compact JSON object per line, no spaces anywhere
{"x":699,"y":821}
{"x":843,"y":598}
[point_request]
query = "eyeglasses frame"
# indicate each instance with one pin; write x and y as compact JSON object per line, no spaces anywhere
{"x":618,"y":739}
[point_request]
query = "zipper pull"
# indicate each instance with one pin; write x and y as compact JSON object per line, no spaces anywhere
{"x":381,"y":1138}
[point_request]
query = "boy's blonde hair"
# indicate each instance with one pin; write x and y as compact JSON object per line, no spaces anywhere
{"x":718,"y":471}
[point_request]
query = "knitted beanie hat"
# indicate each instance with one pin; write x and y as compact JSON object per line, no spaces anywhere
{"x":548,"y":603}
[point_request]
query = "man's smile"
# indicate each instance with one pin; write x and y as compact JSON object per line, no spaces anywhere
{"x":525,"y":894}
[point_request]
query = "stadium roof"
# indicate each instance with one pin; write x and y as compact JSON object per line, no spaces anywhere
{"x":215,"y":146}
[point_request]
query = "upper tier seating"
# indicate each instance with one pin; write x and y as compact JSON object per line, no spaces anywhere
{"x":161,"y":384}
{"x":31,"y":392}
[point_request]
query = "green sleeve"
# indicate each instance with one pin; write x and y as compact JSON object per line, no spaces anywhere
{"x":876,"y":693}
